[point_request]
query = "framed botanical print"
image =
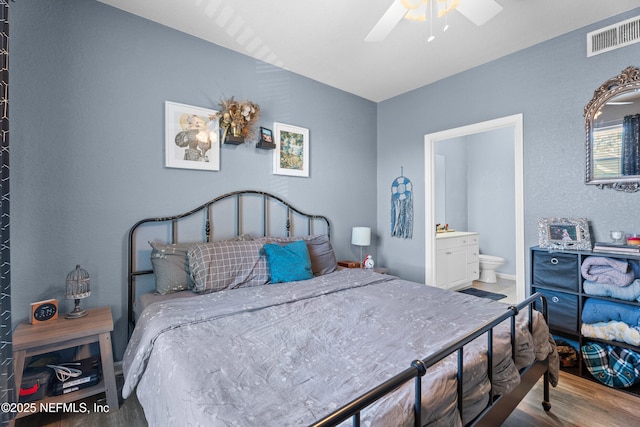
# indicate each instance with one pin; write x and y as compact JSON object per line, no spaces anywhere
{"x":192,"y":138}
{"x":291,"y":155}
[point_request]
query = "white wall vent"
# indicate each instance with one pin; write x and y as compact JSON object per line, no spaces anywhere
{"x":614,"y":36}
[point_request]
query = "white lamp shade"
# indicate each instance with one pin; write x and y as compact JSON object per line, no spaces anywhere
{"x":361,"y":236}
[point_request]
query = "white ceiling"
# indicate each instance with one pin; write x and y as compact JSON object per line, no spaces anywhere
{"x":324,"y":39}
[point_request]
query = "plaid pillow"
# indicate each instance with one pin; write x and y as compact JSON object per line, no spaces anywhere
{"x":227,"y":265}
{"x":613,"y":366}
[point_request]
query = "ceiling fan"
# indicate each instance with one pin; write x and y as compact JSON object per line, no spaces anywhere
{"x":477,"y":11}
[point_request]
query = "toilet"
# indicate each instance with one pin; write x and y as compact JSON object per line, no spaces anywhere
{"x":488,"y":266}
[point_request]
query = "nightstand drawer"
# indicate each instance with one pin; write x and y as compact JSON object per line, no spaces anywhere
{"x":556,"y":270}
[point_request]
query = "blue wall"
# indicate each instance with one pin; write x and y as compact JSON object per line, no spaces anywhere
{"x":88,"y":86}
{"x":550,"y":84}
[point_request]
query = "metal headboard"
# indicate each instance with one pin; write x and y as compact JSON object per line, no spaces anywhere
{"x":268,"y":201}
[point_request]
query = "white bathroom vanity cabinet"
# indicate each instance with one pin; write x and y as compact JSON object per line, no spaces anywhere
{"x":457,"y":259}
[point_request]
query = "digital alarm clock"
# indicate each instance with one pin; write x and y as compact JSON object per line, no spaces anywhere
{"x":42,"y":311}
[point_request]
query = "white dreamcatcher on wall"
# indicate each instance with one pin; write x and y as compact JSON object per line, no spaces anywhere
{"x":402,"y":207}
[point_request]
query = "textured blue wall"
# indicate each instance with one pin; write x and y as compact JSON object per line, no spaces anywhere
{"x":550,"y":84}
{"x":88,"y":85}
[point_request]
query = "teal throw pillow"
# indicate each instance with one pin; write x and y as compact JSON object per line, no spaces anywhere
{"x":288,"y":263}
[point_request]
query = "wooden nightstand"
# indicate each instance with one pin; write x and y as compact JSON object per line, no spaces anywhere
{"x":31,"y":340}
{"x":354,"y":264}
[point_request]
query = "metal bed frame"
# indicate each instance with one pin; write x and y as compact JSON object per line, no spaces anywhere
{"x":498,"y":408}
{"x":268,"y":201}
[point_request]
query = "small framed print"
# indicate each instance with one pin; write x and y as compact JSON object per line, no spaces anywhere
{"x":192,"y":139}
{"x":291,"y":155}
{"x":564,"y":233}
{"x":266,"y":139}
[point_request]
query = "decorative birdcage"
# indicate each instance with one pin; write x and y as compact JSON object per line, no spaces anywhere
{"x":78,"y":287}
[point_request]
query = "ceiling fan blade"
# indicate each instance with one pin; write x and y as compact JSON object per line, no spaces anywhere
{"x":479,"y":11}
{"x":389,"y":20}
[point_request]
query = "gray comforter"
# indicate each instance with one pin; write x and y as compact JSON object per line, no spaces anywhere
{"x":288,"y":354}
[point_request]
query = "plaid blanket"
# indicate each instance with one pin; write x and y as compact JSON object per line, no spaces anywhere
{"x":613,"y":366}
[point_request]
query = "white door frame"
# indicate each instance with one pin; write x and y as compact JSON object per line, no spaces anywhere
{"x":429,"y":161}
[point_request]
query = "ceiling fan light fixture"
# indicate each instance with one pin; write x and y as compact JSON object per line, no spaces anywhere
{"x":431,"y":36}
{"x":446,"y":19}
{"x":416,"y":10}
{"x":477,"y":11}
{"x":446,"y":6}
{"x":419,"y":14}
{"x":413,"y":4}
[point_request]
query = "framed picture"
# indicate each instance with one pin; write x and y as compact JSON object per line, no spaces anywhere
{"x":291,"y":155}
{"x":192,"y":138}
{"x":266,"y":139}
{"x":564,"y":233}
{"x":266,"y":135}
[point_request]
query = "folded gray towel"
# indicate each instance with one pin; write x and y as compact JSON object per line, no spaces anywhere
{"x":607,"y":270}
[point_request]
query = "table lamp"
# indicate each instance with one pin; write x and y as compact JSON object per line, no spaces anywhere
{"x":361,"y":236}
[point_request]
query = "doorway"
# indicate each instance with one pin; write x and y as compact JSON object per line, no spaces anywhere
{"x":513,"y":122}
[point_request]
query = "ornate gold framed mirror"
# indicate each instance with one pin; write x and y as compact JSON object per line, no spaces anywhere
{"x":612,"y":124}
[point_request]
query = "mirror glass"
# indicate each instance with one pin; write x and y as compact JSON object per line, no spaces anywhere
{"x":613,"y":133}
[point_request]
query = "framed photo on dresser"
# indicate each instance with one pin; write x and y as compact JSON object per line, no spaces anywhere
{"x":564,"y":233}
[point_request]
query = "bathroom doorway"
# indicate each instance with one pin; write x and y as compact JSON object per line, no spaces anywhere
{"x":511,"y":125}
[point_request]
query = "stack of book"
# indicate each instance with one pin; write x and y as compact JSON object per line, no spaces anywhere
{"x":611,"y":247}
{"x":90,"y":376}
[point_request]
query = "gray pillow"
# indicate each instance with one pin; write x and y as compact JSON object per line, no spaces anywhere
{"x":323,"y":259}
{"x":171,"y":267}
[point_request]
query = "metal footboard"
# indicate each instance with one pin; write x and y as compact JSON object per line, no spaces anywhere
{"x":419,"y":368}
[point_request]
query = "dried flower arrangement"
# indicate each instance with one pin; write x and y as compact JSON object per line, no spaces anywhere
{"x":237,"y":117}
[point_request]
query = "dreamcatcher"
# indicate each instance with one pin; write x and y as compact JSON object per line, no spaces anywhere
{"x":402,"y":207}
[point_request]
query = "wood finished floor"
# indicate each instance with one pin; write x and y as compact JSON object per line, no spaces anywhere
{"x":575,"y":402}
